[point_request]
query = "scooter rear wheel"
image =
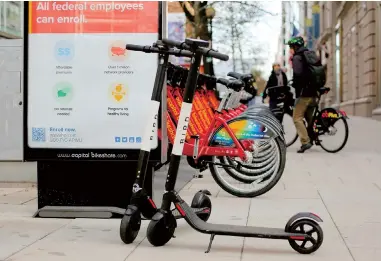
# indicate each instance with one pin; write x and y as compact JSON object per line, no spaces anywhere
{"x":313,"y":228}
{"x":161,"y":230}
{"x":201,"y":200}
{"x":129,"y":227}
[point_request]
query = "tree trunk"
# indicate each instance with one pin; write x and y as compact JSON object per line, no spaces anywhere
{"x":202,"y":32}
{"x":196,"y":14}
{"x":243,"y":65}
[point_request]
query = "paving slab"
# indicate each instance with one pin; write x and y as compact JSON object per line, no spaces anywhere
{"x":366,"y":235}
{"x":7,"y":191}
{"x":19,"y":196}
{"x":81,"y":239}
{"x":17,"y":233}
{"x":366,"y":253}
{"x":27,"y":210}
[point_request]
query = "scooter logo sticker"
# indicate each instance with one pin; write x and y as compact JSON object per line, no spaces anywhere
{"x":136,"y":188}
{"x":243,"y":130}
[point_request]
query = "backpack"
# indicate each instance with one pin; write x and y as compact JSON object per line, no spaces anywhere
{"x":316,"y":71}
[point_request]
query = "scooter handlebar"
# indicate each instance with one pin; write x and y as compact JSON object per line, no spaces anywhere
{"x":152,"y":49}
{"x":139,"y":48}
{"x":182,"y":53}
{"x":204,"y":51}
{"x":214,"y":54}
{"x":177,"y":44}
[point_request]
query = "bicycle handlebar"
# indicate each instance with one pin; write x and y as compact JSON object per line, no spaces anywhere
{"x":278,"y":86}
{"x":204,"y":51}
{"x":151,"y":49}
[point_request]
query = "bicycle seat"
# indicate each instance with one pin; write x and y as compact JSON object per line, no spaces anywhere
{"x":240,"y":76}
{"x":236,"y":85}
{"x":323,"y":90}
{"x":197,"y":42}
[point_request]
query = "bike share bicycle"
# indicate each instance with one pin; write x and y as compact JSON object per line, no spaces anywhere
{"x":259,"y":172}
{"x":163,"y":224}
{"x":322,"y":123}
{"x":266,"y":165}
{"x":141,"y":204}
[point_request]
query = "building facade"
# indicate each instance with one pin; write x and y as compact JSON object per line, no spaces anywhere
{"x":11,"y":19}
{"x":296,"y":15}
{"x":350,"y":44}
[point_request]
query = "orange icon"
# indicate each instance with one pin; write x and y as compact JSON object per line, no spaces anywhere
{"x":118,"y":93}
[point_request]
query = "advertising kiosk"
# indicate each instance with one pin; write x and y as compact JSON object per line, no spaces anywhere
{"x":85,"y":97}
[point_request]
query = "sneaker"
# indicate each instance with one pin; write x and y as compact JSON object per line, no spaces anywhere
{"x":304,"y":147}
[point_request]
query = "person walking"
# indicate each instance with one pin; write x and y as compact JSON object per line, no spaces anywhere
{"x":277,"y":78}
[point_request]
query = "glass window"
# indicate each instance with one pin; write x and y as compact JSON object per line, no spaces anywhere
{"x":378,"y":34}
{"x":338,"y":67}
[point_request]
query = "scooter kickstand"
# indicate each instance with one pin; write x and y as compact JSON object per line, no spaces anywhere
{"x":210,"y":243}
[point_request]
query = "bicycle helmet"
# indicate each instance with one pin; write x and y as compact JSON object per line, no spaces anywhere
{"x":297,"y":41}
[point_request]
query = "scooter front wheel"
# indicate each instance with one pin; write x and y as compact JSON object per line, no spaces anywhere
{"x":311,"y":228}
{"x":201,"y":200}
{"x":161,"y":229}
{"x":129,"y":227}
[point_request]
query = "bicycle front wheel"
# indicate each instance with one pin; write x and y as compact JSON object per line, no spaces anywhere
{"x":290,"y":133}
{"x":252,"y":180}
{"x":325,"y":140}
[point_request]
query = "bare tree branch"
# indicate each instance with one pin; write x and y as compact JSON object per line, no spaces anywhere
{"x":188,"y":10}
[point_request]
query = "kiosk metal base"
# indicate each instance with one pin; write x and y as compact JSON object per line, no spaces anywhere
{"x":86,"y":189}
{"x":79,"y":212}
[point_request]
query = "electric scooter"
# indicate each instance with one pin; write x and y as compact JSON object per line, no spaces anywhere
{"x":141,"y":204}
{"x":163,"y":224}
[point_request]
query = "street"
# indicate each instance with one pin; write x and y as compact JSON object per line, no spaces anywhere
{"x":344,"y":189}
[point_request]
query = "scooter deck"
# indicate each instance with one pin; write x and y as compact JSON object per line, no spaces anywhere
{"x":178,"y":215}
{"x":233,"y":230}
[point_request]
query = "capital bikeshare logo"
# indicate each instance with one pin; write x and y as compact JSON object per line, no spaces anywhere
{"x":64,"y":135}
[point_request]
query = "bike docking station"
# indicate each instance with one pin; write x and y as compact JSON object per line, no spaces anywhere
{"x":84,"y":96}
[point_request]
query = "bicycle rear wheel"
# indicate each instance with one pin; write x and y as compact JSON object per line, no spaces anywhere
{"x":332,"y":131}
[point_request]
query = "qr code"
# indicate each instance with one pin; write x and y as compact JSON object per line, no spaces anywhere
{"x":38,"y":134}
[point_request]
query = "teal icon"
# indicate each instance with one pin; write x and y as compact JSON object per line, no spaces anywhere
{"x":63,"y":92}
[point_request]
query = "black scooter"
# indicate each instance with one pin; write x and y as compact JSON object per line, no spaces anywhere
{"x":163,"y":224}
{"x":141,"y":204}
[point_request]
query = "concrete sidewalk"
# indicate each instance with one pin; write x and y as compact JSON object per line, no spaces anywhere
{"x":344,"y":189}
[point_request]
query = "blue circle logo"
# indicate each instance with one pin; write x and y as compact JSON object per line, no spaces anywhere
{"x":64,"y":51}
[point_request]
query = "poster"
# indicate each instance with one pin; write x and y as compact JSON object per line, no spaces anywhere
{"x":85,"y":91}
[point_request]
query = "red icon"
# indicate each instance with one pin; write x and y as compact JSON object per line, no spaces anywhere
{"x":118,"y":51}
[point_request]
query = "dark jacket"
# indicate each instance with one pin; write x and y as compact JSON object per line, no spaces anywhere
{"x":300,"y":75}
{"x":273,"y":81}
